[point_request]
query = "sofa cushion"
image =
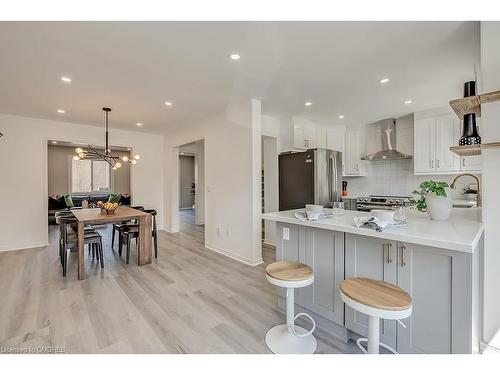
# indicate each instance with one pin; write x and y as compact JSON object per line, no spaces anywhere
{"x":69,"y":201}
{"x":114,"y":198}
{"x":56,"y":203}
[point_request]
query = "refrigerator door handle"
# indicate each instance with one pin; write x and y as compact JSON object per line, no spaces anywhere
{"x":329,"y":175}
{"x":334,"y":183}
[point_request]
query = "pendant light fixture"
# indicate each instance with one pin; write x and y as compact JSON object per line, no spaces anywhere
{"x":93,"y":154}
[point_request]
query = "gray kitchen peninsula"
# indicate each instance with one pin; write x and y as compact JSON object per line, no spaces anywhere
{"x":436,"y":262}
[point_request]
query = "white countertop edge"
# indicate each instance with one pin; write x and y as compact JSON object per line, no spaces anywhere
{"x":465,"y":247}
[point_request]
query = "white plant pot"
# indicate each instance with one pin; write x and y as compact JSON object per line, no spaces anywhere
{"x":439,"y":208}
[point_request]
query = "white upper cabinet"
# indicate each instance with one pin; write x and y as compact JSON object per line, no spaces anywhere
{"x":304,"y":134}
{"x":355,"y":149}
{"x":433,"y":137}
{"x":447,"y":134}
{"x":335,"y":138}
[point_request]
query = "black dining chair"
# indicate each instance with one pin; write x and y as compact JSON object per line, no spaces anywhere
{"x":118,"y":227}
{"x":69,"y":240}
{"x":130,"y":232}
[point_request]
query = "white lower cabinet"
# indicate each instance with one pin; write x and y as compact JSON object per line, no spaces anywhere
{"x":374,"y":258}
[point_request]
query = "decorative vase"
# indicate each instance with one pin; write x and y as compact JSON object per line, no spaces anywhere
{"x":439,"y":208}
{"x":470,"y":135}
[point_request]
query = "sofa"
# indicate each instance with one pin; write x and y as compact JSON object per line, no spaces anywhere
{"x":57,"y":203}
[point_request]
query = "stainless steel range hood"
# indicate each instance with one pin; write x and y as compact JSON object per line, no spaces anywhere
{"x":388,"y":152}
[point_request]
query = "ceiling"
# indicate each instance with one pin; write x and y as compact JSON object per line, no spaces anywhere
{"x":134,"y":67}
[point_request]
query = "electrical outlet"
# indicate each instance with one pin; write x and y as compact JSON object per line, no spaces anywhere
{"x":286,"y":234}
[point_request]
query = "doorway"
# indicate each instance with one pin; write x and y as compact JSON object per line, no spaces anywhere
{"x":192,"y":184}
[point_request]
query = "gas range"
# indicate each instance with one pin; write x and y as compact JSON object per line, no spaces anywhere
{"x":373,"y":202}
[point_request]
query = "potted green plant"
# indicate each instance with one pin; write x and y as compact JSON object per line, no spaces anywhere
{"x":435,"y":198}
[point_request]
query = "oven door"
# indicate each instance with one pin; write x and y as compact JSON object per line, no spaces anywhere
{"x":369,"y":207}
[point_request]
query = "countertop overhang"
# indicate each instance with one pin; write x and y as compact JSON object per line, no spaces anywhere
{"x":462,"y":232}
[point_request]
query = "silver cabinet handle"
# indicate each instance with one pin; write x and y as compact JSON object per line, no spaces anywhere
{"x":438,"y":163}
{"x":403,"y":249}
{"x":463,"y":162}
{"x":432,"y":163}
{"x":357,"y":167}
{"x":389,"y":246}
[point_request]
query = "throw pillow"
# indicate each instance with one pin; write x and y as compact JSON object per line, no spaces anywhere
{"x":69,"y":201}
{"x":114,"y":198}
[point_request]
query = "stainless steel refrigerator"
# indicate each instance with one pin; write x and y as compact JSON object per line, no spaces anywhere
{"x":310,"y":177}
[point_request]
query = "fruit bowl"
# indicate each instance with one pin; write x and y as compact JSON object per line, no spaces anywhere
{"x":107,"y":207}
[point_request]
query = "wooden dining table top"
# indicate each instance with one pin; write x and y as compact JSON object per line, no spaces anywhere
{"x":96,"y":216}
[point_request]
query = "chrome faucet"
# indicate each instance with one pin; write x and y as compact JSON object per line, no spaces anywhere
{"x":452,"y":186}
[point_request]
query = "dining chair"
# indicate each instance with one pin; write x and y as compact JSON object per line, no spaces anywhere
{"x":130,"y":232}
{"x":118,"y":227}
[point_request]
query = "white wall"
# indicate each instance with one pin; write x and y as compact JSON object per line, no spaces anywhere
{"x":199,"y":172}
{"x":490,"y":132}
{"x":271,"y":191}
{"x":229,"y":181}
{"x":23,"y":173}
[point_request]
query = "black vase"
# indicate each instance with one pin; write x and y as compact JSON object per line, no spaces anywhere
{"x":470,"y":135}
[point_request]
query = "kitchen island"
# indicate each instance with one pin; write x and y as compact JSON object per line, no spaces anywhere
{"x":437,"y":263}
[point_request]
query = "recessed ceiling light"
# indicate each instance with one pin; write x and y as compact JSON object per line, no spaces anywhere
{"x":234,"y":56}
{"x":384,"y":80}
{"x":139,"y":124}
{"x":408,"y":101}
{"x":66,"y":79}
{"x":62,"y":111}
{"x":168,"y":104}
{"x":308,"y":104}
{"x":340,"y":116}
{"x":54,"y":142}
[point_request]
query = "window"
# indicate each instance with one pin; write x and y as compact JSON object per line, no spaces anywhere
{"x":90,"y":176}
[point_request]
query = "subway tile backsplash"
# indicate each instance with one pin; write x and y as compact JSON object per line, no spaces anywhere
{"x":392,"y":177}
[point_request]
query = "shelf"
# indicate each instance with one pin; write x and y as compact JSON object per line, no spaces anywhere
{"x":473,"y":150}
{"x":472,"y":104}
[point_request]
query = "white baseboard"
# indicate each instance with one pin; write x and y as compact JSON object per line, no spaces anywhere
{"x":230,"y":254}
{"x":24,"y":247}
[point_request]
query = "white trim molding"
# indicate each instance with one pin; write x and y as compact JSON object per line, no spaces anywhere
{"x":239,"y":258}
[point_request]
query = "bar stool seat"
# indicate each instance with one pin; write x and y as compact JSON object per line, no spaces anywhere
{"x":289,"y":338}
{"x":379,"y":300}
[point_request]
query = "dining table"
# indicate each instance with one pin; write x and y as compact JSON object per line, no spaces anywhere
{"x":90,"y":216}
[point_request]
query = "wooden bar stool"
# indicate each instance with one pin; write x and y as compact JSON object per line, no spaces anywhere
{"x":289,"y":338}
{"x":377,"y":299}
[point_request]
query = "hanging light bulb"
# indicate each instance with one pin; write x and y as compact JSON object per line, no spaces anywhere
{"x":125,"y":158}
{"x":76,"y":157}
{"x":114,"y":168}
{"x":78,"y":150}
{"x":81,"y":155}
{"x":118,"y":165}
{"x":134,"y":161}
{"x":137,"y":157}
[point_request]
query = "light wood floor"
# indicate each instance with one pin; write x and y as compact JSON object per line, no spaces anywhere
{"x":190,"y":300}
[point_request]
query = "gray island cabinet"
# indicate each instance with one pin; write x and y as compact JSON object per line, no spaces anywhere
{"x":443,"y":283}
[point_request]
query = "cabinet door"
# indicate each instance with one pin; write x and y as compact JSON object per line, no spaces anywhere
{"x":290,"y":249}
{"x":354,"y":150}
{"x":439,"y":283}
{"x":310,"y":135}
{"x":374,"y":258}
{"x":325,"y":255}
{"x":446,"y":136}
{"x":424,"y":145}
{"x":471,"y":163}
{"x":299,"y":138}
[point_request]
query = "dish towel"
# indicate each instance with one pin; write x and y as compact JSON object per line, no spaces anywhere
{"x":371,"y":222}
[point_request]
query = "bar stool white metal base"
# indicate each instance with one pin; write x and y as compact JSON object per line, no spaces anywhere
{"x":280,"y":341}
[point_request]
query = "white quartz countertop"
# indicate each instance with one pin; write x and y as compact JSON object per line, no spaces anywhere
{"x":461,"y":232}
